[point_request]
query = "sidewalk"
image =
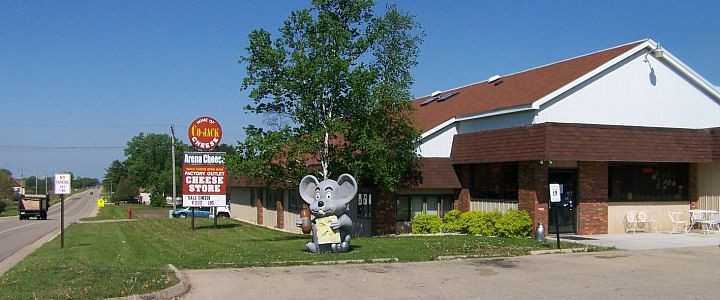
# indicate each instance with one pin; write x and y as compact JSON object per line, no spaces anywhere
{"x":646,"y":241}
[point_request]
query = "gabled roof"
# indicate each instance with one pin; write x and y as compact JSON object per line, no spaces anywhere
{"x":509,"y":91}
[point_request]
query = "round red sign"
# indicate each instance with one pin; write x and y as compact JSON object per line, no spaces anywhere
{"x":205,"y":133}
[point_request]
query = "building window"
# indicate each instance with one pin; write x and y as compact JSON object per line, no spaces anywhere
{"x":411,"y":205}
{"x":272,"y":198}
{"x":294,"y":201}
{"x":648,"y":182}
{"x":497,"y":181}
{"x":402,"y":212}
{"x":364,"y":205}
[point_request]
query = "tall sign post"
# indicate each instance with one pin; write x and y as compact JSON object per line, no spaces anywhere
{"x":204,"y":176}
{"x":555,"y":201}
{"x":63,"y":183}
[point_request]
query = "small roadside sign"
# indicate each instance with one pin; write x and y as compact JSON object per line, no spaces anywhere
{"x":62,"y":184}
{"x":100,"y":203}
{"x":554,"y":193}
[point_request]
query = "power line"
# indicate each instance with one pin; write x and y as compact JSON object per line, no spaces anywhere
{"x":44,"y":147}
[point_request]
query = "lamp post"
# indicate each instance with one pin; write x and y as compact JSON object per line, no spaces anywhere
{"x":174,"y":191}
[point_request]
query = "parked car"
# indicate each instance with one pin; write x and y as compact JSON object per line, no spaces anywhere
{"x":202,"y":212}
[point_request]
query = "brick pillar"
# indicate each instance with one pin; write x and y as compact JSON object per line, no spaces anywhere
{"x":592,"y":197}
{"x":383,"y":214}
{"x":693,"y":193}
{"x":279,"y":210}
{"x":462,"y":203}
{"x":260,"y":214}
{"x":532,"y":191}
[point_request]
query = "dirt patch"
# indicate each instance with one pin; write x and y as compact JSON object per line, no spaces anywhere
{"x":376,"y":269}
{"x":498,"y":263}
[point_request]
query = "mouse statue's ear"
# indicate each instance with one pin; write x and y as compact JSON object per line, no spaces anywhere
{"x":308,"y":187}
{"x":347,"y":188}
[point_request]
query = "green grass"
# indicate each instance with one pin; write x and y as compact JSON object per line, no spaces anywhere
{"x":114,"y":212}
{"x":116,"y":259}
{"x":10,"y":210}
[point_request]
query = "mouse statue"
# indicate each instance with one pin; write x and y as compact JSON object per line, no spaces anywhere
{"x":328,"y":201}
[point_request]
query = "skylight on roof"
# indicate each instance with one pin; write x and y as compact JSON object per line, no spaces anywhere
{"x":439,"y":97}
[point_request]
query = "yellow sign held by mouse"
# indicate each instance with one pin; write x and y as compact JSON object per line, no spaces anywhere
{"x":325,"y":233}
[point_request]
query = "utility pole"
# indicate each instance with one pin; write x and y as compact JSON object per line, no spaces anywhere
{"x":46,"y":192}
{"x":36,"y":191}
{"x":174,"y":191}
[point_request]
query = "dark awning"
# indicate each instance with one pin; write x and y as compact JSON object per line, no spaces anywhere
{"x":587,"y":142}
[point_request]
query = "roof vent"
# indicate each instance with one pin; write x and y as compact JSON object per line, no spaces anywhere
{"x":435,"y":93}
{"x":493,"y":78}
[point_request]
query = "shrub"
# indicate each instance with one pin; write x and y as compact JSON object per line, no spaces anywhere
{"x":3,"y":205}
{"x":424,"y":223}
{"x":480,"y":223}
{"x":157,"y":200}
{"x":452,"y":222}
{"x":514,"y":223}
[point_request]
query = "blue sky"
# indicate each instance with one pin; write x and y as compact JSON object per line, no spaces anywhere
{"x":95,"y":73}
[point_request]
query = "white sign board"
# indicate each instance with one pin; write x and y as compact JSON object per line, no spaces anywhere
{"x":62,"y":184}
{"x":203,"y":200}
{"x":554,"y":193}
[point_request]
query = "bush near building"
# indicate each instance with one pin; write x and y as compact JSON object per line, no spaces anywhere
{"x":513,"y":223}
{"x":424,"y":223}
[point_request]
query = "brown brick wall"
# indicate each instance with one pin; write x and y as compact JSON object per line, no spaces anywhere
{"x":592,"y":203}
{"x":462,"y":203}
{"x":383,"y":215}
{"x":259,"y":206}
{"x":280,"y":212}
{"x":532,"y":191}
{"x":715,"y":137}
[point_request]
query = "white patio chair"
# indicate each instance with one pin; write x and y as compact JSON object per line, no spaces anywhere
{"x":714,"y":220}
{"x":645,"y":221}
{"x":678,"y":225}
{"x":631,"y":222}
{"x":701,"y":217}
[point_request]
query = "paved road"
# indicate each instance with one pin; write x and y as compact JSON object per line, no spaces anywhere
{"x":687,"y":273}
{"x":16,"y":234}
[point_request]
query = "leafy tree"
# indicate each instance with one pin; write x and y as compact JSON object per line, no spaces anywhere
{"x":149,"y":161}
{"x":340,"y":75}
{"x":6,"y":185}
{"x":116,"y":172}
{"x":124,"y":190}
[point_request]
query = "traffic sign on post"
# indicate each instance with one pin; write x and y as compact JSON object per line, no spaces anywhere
{"x":63,"y":186}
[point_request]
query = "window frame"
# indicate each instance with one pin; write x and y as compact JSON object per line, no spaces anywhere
{"x":635,"y":173}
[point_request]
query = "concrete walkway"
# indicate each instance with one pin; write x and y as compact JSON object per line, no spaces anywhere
{"x":687,"y":273}
{"x":647,"y":241}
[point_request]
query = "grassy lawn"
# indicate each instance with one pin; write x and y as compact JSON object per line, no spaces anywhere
{"x":116,"y":259}
{"x":140,"y":211}
{"x":10,"y":210}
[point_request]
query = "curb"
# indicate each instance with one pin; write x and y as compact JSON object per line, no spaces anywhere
{"x":175,"y":291}
{"x":468,"y":256}
{"x":557,"y":251}
{"x":107,"y":221}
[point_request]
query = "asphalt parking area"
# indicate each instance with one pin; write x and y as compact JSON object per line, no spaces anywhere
{"x":678,"y":273}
